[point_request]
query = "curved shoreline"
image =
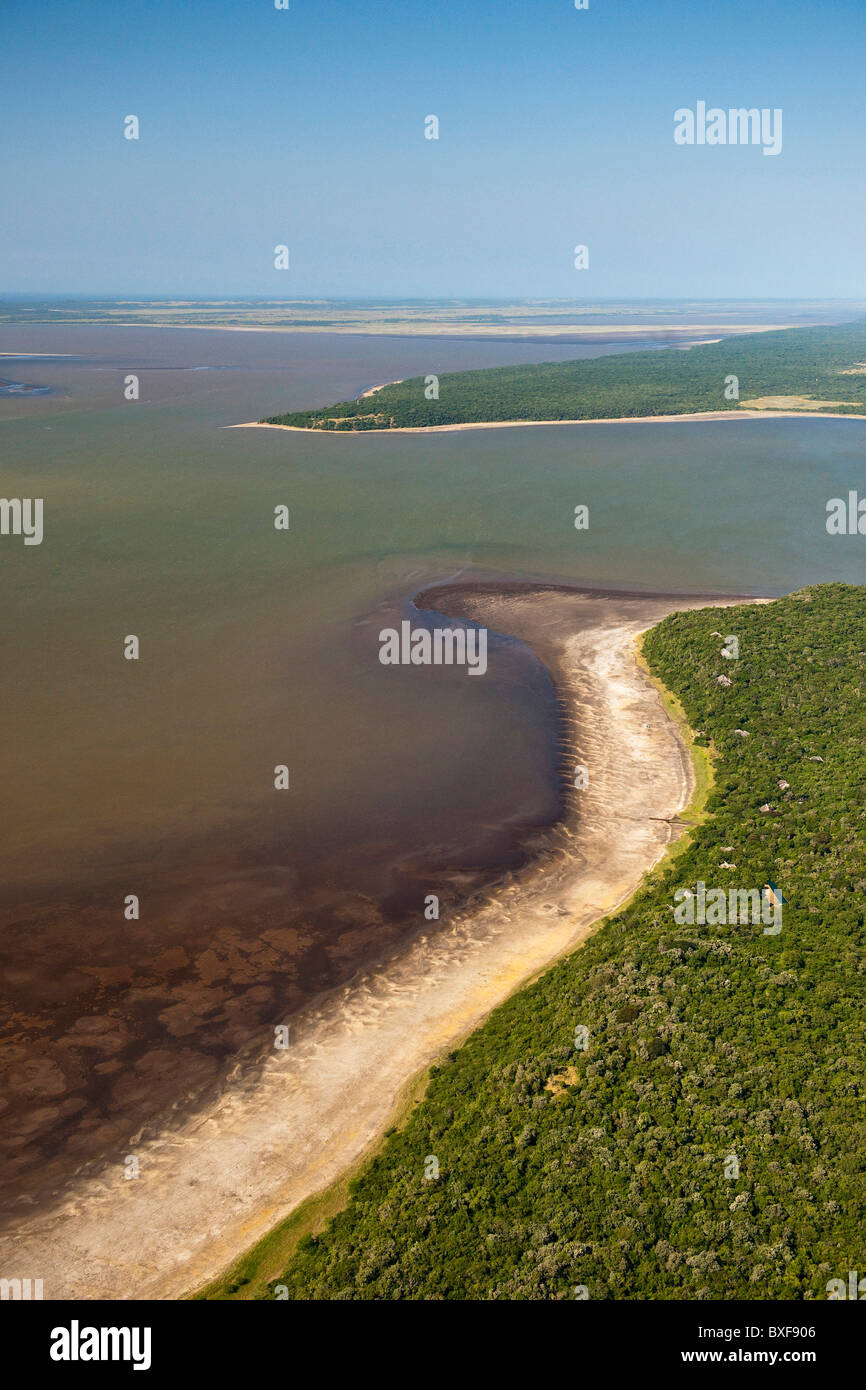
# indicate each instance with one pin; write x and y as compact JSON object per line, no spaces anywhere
{"x":518,"y":424}
{"x":210,"y":1189}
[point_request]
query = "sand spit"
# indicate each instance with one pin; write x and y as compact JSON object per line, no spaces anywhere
{"x":213,"y":1186}
{"x":519,"y":424}
{"x":373,"y":390}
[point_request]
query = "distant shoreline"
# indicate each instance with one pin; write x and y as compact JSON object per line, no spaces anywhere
{"x":516,"y":424}
{"x":567,"y":334}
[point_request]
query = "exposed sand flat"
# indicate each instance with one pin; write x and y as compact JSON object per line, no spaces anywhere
{"x":798,"y":404}
{"x":374,"y":389}
{"x":517,"y":424}
{"x":421,"y":327}
{"x":209,"y":1189}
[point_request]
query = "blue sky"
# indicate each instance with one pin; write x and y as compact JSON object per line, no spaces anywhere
{"x":306,"y":127}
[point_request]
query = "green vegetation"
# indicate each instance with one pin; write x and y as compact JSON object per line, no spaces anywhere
{"x":814,"y":364}
{"x":606,"y":1167}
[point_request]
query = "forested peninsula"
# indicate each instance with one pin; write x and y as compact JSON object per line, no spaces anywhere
{"x":794,"y":369}
{"x":706,"y":1141}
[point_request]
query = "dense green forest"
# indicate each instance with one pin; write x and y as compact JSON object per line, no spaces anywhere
{"x":823,"y":364}
{"x":605,"y":1168}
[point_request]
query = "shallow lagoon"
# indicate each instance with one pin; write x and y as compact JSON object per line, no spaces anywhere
{"x":261,"y":647}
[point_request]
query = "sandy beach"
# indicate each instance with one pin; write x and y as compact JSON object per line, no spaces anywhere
{"x":517,"y":424}
{"x":211,"y":1187}
{"x":373,"y":390}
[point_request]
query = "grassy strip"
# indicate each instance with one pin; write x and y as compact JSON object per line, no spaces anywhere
{"x":695,"y":812}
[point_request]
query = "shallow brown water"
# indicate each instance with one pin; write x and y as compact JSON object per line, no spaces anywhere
{"x":156,"y":778}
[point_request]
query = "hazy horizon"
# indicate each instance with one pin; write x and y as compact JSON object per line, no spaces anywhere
{"x":309,"y":128}
{"x":238,"y":296}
